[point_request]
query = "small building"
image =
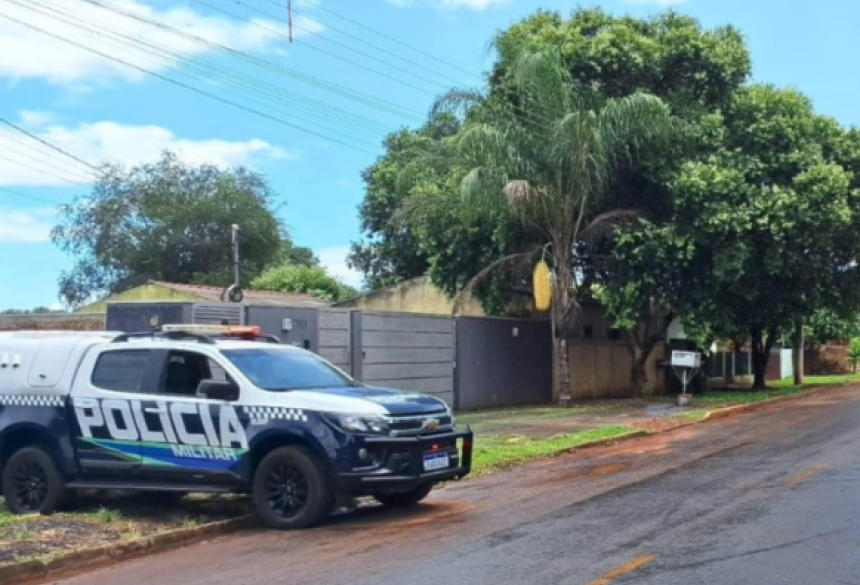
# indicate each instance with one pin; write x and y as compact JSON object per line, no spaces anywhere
{"x":420,"y":296}
{"x":157,"y":291}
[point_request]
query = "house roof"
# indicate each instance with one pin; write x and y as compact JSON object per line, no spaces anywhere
{"x":252,"y":297}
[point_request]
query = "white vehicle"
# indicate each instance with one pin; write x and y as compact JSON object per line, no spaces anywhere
{"x":211,"y":409}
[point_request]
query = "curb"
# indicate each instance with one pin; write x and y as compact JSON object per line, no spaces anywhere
{"x":85,"y":559}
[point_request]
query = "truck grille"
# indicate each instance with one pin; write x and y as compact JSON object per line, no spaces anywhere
{"x":426,"y":424}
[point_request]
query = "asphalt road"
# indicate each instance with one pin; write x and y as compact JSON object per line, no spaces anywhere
{"x":771,"y":497}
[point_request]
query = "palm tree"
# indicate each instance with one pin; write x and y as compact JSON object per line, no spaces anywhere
{"x":546,"y":151}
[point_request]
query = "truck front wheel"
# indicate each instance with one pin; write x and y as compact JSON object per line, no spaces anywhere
{"x":291,"y":489}
{"x":404,"y":499}
{"x":32,"y":484}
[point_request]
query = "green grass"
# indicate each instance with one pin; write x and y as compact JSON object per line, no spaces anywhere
{"x":503,"y":451}
{"x":813,"y":381}
{"x":485,"y":421}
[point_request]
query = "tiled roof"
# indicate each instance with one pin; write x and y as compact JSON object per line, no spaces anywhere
{"x":252,"y":297}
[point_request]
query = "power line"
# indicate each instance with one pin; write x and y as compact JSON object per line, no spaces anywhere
{"x":38,"y":170}
{"x":44,"y":156}
{"x":348,"y":93}
{"x":537,"y":119}
{"x":48,"y":144}
{"x":183,"y":85}
{"x":27,"y":196}
{"x":385,"y":36}
{"x":344,"y":46}
{"x":318,"y":49}
{"x":349,"y":35}
{"x":206,"y":70}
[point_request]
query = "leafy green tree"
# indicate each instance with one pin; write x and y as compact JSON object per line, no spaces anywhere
{"x":297,"y":278}
{"x":826,"y":325}
{"x":773,"y":219}
{"x":390,"y":251}
{"x":551,"y":169}
{"x":639,"y":273}
{"x":853,"y":354}
{"x":166,"y":221}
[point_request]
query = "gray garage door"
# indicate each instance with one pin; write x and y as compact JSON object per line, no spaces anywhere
{"x":408,"y":352}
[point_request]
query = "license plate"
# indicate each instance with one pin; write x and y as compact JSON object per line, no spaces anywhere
{"x":436,"y":461}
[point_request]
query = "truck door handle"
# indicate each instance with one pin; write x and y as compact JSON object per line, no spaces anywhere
{"x":155,"y":410}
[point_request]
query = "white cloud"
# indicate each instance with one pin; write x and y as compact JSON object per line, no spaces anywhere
{"x":35,"y":119}
{"x":27,"y":53}
{"x":37,"y":165}
{"x":343,"y":182}
{"x":662,"y":3}
{"x":470,"y":4}
{"x":334,"y":259}
{"x":26,"y":226}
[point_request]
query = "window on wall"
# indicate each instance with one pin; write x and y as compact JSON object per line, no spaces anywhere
{"x":614,"y":334}
{"x":588,"y":332}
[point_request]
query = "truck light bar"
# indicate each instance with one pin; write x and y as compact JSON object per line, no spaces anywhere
{"x":231,"y":330}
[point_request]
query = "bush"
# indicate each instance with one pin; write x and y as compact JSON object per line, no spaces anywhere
{"x":296,"y":278}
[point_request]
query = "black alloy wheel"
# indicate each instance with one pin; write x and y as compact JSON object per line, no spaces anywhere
{"x":32,"y":483}
{"x":30,"y":486}
{"x":292,"y":488}
{"x":287,"y":490}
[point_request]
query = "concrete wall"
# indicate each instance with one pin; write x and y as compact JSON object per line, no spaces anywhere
{"x":420,"y":296}
{"x":601,"y":369}
{"x":53,"y":321}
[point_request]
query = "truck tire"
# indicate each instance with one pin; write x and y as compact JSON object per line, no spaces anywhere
{"x":32,"y":484}
{"x":291,"y":489}
{"x":404,"y":499}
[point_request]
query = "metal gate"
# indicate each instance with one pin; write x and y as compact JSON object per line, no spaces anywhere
{"x":408,"y":352}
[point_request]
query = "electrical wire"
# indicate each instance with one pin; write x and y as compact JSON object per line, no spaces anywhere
{"x":48,"y":144}
{"x":383,"y":35}
{"x":348,"y":93}
{"x":533,"y":118}
{"x":48,"y":157}
{"x":40,"y":170}
{"x":339,"y":44}
{"x":315,"y":48}
{"x":254,"y":86}
{"x":28,"y":196}
{"x":181,"y":84}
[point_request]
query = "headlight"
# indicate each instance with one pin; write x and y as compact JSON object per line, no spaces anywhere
{"x":372,"y":425}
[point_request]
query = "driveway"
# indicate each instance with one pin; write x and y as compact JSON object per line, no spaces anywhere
{"x":766,"y":497}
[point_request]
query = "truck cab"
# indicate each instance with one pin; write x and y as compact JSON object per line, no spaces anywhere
{"x":212,"y":409}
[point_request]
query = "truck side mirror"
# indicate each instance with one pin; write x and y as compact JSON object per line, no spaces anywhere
{"x":218,"y":390}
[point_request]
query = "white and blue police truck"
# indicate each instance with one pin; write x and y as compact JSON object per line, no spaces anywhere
{"x":211,"y":409}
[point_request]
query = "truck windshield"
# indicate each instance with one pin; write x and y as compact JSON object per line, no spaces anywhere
{"x":280,"y":370}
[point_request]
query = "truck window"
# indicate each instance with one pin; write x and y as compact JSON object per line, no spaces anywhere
{"x":186,"y":369}
{"x":122,"y":371}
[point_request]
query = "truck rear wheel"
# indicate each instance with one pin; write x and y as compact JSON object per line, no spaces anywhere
{"x":404,"y":499}
{"x":32,"y":484}
{"x":291,"y":489}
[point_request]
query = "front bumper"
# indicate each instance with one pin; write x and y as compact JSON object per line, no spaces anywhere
{"x":398,"y":462}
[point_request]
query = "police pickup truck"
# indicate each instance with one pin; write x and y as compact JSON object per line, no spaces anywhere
{"x":211,"y":409}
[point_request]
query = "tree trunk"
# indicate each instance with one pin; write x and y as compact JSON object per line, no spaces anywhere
{"x":563,"y":372}
{"x":761,"y":355}
{"x":638,"y":371}
{"x":797,"y":354}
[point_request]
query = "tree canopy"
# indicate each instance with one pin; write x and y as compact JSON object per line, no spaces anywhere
{"x":297,"y":278}
{"x":168,"y":221}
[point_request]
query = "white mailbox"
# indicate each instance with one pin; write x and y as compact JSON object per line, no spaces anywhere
{"x":686,"y":359}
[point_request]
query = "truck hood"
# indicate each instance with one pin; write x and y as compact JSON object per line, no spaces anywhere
{"x":366,"y":400}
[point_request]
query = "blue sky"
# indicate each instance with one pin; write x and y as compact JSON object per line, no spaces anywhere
{"x":97,"y":109}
